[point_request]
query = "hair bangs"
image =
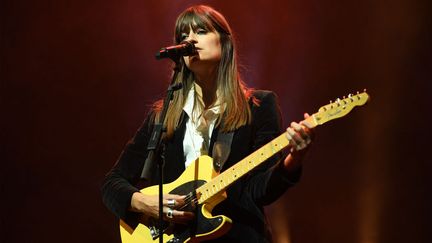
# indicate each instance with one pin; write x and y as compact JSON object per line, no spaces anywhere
{"x":192,"y":19}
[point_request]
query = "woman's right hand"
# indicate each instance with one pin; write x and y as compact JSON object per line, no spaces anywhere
{"x":149,"y":206}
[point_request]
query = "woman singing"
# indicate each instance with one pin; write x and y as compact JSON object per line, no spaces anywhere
{"x":213,"y":103}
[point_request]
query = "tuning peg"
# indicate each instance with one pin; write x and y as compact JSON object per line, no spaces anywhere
{"x":358,"y":95}
{"x":350,"y":97}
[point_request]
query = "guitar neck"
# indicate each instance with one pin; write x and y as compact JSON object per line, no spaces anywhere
{"x":326,"y":113}
{"x":221,"y":182}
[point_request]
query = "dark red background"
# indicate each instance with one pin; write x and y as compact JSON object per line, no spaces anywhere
{"x":77,"y":78}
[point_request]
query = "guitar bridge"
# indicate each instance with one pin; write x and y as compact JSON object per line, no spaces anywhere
{"x":154,"y":232}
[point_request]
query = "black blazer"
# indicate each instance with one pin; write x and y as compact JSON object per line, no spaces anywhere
{"x":246,"y":198}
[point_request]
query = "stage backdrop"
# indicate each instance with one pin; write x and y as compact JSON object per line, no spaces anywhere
{"x":78,"y":77}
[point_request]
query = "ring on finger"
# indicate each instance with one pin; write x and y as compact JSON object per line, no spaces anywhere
{"x":171,"y":203}
{"x":170,"y":213}
{"x":300,"y":146}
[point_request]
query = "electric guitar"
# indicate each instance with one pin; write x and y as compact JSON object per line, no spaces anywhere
{"x":205,"y":188}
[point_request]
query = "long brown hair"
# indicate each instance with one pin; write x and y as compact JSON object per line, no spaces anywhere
{"x":231,"y":89}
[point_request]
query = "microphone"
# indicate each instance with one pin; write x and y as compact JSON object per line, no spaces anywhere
{"x":185,"y":48}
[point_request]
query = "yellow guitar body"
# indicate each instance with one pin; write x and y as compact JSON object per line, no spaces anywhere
{"x":200,"y":170}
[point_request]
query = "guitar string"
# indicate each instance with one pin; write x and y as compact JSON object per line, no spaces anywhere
{"x":189,"y":199}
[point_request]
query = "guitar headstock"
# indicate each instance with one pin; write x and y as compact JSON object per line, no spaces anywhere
{"x":339,"y":108}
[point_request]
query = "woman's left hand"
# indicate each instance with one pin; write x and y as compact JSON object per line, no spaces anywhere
{"x":300,"y":136}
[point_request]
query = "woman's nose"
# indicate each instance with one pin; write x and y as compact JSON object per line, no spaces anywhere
{"x":192,"y":38}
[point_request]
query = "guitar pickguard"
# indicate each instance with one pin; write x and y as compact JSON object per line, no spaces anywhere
{"x":201,"y":226}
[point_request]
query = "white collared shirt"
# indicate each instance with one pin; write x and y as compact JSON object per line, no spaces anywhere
{"x":199,"y":127}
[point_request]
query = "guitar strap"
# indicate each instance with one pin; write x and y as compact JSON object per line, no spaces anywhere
{"x":221,"y":149}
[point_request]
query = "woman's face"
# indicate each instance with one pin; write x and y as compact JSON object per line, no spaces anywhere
{"x":208,"y":48}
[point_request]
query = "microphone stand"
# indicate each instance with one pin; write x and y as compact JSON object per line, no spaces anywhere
{"x":155,"y":144}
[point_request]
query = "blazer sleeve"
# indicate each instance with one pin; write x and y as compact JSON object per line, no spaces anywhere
{"x":119,"y":183}
{"x":269,"y":181}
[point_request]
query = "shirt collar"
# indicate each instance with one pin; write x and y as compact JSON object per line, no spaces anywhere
{"x":188,"y":107}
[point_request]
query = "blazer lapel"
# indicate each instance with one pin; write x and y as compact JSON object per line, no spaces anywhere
{"x":220,"y":148}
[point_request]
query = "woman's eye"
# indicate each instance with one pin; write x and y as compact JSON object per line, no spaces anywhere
{"x":183,"y":36}
{"x":201,"y":31}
